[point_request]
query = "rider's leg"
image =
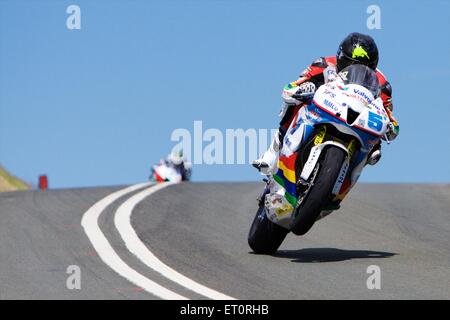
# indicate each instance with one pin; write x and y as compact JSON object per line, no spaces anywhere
{"x":374,"y":155}
{"x":268,"y":162}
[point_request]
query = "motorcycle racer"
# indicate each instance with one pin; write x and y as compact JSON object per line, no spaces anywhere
{"x":356,"y":48}
{"x":177,"y":161}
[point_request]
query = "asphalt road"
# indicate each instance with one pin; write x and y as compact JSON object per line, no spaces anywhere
{"x":200,"y":230}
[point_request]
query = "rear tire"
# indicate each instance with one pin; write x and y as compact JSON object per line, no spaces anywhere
{"x":265,"y":237}
{"x":320,"y":192}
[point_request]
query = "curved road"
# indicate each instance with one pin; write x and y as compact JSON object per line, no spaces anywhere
{"x":195,"y":236}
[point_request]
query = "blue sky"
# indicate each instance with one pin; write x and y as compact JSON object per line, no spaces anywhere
{"x":97,"y":106}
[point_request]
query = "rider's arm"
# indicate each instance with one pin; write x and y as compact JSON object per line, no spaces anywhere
{"x":310,"y":79}
{"x":386,"y":96}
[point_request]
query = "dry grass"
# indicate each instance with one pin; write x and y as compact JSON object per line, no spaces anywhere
{"x":10,"y":183}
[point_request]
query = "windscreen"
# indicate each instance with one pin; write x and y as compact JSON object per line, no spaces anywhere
{"x":362,"y":75}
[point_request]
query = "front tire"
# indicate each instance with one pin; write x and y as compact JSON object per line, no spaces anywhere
{"x":265,"y":237}
{"x":320,"y":192}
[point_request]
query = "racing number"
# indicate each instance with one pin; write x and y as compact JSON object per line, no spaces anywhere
{"x":375,"y":121}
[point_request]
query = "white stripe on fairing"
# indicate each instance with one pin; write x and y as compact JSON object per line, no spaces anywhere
{"x":105,"y":251}
{"x":122,"y":221}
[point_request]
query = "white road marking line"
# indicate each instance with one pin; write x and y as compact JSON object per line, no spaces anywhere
{"x":122,"y":221}
{"x":90,"y":224}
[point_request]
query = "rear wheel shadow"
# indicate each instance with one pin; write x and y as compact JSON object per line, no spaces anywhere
{"x":314,"y":255}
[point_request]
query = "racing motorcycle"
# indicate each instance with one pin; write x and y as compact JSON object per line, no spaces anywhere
{"x":323,"y":154}
{"x":165,"y":171}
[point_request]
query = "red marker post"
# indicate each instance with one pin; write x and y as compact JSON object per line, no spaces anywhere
{"x":43,"y":182}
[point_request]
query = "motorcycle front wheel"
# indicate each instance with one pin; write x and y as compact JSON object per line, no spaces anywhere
{"x":319,"y":195}
{"x":265,"y":237}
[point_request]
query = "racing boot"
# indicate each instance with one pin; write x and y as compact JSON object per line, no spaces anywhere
{"x":268,"y":162}
{"x":375,"y":155}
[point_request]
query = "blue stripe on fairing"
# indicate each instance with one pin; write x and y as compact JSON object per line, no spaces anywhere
{"x":307,"y":132}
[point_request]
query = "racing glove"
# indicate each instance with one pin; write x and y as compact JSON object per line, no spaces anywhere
{"x":294,"y":95}
{"x":393,"y":127}
{"x":291,"y":94}
{"x":393,"y":131}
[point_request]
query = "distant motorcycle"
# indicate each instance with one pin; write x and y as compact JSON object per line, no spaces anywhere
{"x":324,"y":152}
{"x":166,"y":171}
